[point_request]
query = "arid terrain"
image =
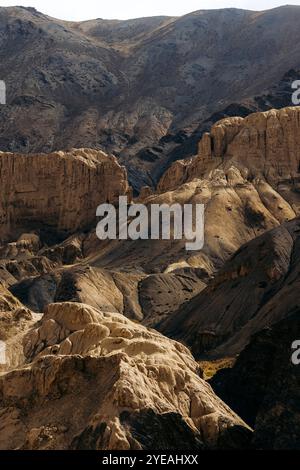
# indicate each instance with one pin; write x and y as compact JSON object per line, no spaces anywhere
{"x":145,"y":89}
{"x":141,"y":344}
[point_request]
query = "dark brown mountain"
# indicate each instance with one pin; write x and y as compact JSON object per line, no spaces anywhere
{"x":95,"y":84}
{"x":263,"y":386}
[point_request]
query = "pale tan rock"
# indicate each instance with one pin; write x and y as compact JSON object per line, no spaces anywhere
{"x":97,"y":375}
{"x":237,"y":209}
{"x":265,"y":145}
{"x":61,"y":190}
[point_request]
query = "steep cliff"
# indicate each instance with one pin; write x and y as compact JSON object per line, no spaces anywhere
{"x":57,"y":193}
{"x":262,"y":145}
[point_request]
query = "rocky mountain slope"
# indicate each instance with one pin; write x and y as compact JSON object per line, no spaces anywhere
{"x":256,"y":288}
{"x":243,"y":297}
{"x":94,"y":84}
{"x":184,"y":143}
{"x":246,"y":175}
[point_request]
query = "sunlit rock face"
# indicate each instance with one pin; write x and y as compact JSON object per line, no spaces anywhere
{"x":262,"y":146}
{"x":59,"y":191}
{"x":99,"y":381}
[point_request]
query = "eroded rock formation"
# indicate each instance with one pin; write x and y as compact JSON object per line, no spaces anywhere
{"x":237,"y":209}
{"x":262,"y":146}
{"x":99,"y":381}
{"x":15,"y":320}
{"x":56,"y":193}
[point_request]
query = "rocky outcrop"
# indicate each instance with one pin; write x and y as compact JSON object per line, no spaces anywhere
{"x":15,"y":321}
{"x":262,"y":145}
{"x":256,"y":288}
{"x":263,"y":386}
{"x":38,"y":275}
{"x":28,"y":258}
{"x":99,"y":381}
{"x":57,"y":193}
{"x":94,"y":286}
{"x":184,"y":144}
{"x":147,"y":299}
{"x":236,"y":210}
{"x":151,"y":278}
